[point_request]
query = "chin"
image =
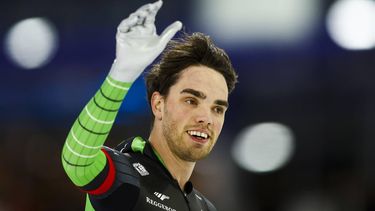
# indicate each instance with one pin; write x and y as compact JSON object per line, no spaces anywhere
{"x":201,"y":154}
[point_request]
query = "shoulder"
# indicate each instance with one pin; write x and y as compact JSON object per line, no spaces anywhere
{"x":208,"y":203}
{"x":117,"y":170}
{"x":210,"y":206}
{"x":124,"y":187}
{"x":123,"y":165}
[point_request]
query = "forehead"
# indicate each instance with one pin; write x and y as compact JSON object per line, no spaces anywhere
{"x":204,"y":79}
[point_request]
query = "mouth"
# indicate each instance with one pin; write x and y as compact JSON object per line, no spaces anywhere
{"x":198,"y":136}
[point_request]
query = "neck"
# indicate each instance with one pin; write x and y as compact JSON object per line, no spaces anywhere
{"x":180,"y":170}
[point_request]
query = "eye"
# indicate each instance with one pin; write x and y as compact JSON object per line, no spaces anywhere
{"x":219,"y":110}
{"x":191,"y":101}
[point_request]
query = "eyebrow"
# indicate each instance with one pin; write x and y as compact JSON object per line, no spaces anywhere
{"x":194,"y":92}
{"x":222,"y":103}
{"x":201,"y":95}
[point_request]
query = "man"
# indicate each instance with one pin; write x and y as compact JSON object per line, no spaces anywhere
{"x":188,"y":93}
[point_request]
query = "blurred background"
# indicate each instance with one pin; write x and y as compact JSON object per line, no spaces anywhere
{"x":299,"y":134}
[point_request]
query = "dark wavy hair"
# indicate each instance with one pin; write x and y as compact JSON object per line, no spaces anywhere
{"x":190,"y":50}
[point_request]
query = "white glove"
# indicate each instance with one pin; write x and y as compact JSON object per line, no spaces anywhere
{"x":137,"y":44}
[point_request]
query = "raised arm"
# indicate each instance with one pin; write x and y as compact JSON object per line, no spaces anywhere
{"x":137,"y":45}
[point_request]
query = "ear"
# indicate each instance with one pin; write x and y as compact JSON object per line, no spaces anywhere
{"x":157,"y":103}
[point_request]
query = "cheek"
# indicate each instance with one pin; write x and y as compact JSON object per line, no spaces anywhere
{"x":175,"y":113}
{"x":219,"y":125}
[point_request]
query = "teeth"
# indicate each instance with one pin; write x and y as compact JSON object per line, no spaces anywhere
{"x":197,"y":133}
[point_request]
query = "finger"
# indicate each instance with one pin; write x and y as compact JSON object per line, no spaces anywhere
{"x":150,"y":18}
{"x":142,"y":15}
{"x":133,"y":20}
{"x":169,"y":32}
{"x":139,"y":16}
{"x":127,"y":23}
{"x":151,"y":6}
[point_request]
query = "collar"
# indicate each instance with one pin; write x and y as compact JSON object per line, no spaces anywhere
{"x":139,"y":145}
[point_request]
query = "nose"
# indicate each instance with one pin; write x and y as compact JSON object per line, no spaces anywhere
{"x":204,"y":116}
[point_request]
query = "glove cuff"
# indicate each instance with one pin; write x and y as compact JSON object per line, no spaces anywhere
{"x":124,"y":74}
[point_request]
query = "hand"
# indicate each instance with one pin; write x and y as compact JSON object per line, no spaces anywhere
{"x":137,"y":44}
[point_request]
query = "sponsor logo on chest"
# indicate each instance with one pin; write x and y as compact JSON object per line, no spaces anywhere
{"x":158,"y":204}
{"x":141,"y":169}
{"x":161,"y":196}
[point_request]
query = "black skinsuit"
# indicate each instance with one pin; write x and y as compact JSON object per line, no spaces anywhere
{"x":141,"y":182}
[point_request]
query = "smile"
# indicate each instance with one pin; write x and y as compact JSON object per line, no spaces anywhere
{"x":198,"y":136}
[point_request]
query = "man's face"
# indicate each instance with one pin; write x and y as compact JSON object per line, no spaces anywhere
{"x":193,"y":112}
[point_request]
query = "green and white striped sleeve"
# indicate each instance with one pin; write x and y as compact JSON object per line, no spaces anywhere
{"x":82,"y":157}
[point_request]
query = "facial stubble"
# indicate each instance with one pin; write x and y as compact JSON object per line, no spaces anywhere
{"x":175,"y":140}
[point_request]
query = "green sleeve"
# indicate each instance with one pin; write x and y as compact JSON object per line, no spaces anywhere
{"x":82,"y":157}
